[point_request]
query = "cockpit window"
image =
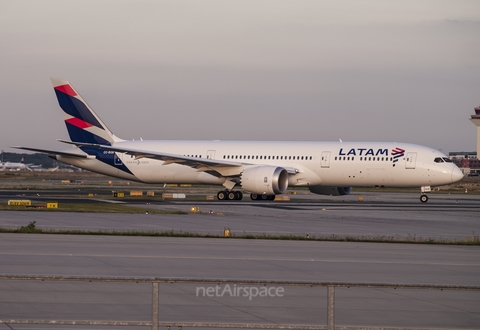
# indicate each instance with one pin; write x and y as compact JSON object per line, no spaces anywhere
{"x":438,"y":160}
{"x":447,"y":160}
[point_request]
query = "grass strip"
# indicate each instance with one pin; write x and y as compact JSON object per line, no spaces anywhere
{"x":91,"y":208}
{"x":31,"y":228}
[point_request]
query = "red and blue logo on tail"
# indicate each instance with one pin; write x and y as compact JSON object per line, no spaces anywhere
{"x":83,"y":125}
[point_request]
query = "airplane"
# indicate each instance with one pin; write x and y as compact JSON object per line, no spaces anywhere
{"x":11,"y":166}
{"x":14,"y":166}
{"x":262,"y":168}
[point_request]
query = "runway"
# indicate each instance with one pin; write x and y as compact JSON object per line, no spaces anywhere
{"x":443,"y":216}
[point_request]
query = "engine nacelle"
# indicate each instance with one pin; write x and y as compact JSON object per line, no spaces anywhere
{"x":265,"y":180}
{"x":333,"y":191}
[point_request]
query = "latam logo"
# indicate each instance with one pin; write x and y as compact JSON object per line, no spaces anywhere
{"x":396,"y":153}
{"x":363,"y":152}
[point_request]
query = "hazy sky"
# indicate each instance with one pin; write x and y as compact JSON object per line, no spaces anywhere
{"x":405,"y":71}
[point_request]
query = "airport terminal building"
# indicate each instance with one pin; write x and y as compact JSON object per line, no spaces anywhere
{"x":468,"y":162}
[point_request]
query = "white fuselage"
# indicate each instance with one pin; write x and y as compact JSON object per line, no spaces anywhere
{"x":315,"y":163}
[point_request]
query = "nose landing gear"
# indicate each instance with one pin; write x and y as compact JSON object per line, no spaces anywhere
{"x":423,"y":196}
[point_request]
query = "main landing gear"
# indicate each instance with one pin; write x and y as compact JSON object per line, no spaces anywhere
{"x":225,"y":195}
{"x":256,"y":197}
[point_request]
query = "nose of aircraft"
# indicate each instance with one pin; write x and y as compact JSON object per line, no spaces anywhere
{"x":457,"y":174}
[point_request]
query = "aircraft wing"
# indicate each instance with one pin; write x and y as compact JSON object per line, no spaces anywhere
{"x":54,"y":152}
{"x":212,"y":166}
{"x":215,"y":167}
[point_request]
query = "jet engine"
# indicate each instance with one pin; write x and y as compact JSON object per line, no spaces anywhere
{"x":265,"y":180}
{"x":333,"y":191}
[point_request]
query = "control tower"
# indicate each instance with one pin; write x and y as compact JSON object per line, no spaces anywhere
{"x":476,"y":120}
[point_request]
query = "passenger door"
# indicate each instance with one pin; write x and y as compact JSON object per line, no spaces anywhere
{"x":325,"y":160}
{"x":211,"y":154}
{"x":410,"y":160}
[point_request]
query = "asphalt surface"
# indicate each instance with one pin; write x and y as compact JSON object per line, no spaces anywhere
{"x":444,"y":216}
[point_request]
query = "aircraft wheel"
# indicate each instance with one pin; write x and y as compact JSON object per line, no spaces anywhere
{"x":424,"y":198}
{"x":222,"y":195}
{"x":254,"y":197}
{"x":231,"y":195}
{"x":265,"y":197}
{"x":271,"y":197}
{"x":239,"y":195}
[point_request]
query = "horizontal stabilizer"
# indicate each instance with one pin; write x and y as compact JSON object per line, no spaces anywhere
{"x":54,"y":152}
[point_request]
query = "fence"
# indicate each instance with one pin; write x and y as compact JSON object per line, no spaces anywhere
{"x":155,"y":324}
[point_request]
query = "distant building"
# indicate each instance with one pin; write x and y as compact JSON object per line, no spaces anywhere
{"x":468,"y":162}
{"x":475,"y":119}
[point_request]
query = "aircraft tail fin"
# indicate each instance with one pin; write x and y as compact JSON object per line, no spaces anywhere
{"x":83,"y":124}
